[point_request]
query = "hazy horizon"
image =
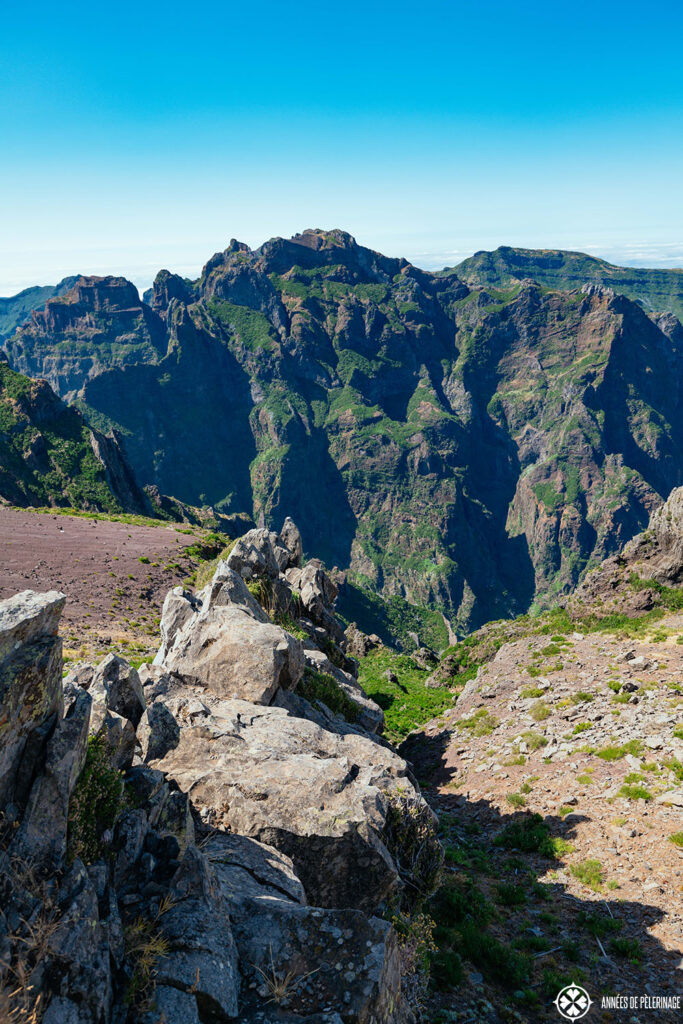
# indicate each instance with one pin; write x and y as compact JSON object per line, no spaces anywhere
{"x":148,"y":139}
{"x":142,"y":275}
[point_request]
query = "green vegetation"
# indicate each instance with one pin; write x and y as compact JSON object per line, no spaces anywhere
{"x":46,"y":458}
{"x":615,"y":752}
{"x":252,"y":328}
{"x":635,"y":791}
{"x":392,"y":619}
{"x":408,"y":703}
{"x":628,"y":949}
{"x":95,"y":804}
{"x":318,"y":687}
{"x":528,"y":834}
{"x":479,"y":723}
{"x":533,"y":740}
{"x":660,"y":290}
{"x":590,"y":873}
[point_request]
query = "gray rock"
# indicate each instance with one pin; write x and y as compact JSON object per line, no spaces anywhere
{"x":672,"y":797}
{"x":173,"y":1006}
{"x":253,"y":869}
{"x":42,"y":836}
{"x":117,"y":685}
{"x":82,"y":949}
{"x":179,"y":606}
{"x":321,"y":798}
{"x":27,"y":617}
{"x":253,"y":556}
{"x":117,"y":734}
{"x":30,"y":684}
{"x":232,"y":654}
{"x":318,"y":594}
{"x":202,"y":959}
{"x":324,"y":959}
{"x":228,"y":588}
{"x":158,"y":732}
{"x":81,"y":675}
{"x":291,"y":540}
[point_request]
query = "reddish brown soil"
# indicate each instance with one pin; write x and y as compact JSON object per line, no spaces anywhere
{"x":113,"y":599}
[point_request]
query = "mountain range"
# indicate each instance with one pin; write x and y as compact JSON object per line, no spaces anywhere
{"x":470,"y":440}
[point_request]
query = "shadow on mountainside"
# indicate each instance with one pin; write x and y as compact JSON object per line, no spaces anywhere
{"x":510,"y":934}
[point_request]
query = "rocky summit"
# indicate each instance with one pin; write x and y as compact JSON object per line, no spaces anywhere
{"x":222,"y":835}
{"x":481,"y":443}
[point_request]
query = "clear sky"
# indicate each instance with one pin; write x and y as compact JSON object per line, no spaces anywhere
{"x":140,"y":135}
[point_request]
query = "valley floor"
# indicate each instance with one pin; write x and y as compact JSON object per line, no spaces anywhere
{"x":585,"y":731}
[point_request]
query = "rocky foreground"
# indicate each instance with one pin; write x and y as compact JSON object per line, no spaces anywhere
{"x":221,"y":836}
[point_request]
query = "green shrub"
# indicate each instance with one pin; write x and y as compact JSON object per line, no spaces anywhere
{"x":615,"y":753}
{"x":540,"y":711}
{"x":510,"y":895}
{"x":95,"y":804}
{"x":528,"y":692}
{"x":533,"y":740}
{"x":497,"y":962}
{"x":590,"y":873}
{"x":411,"y":837}
{"x":599,"y":925}
{"x":529,"y":834}
{"x":629,"y":949}
{"x":319,"y":687}
{"x":635,"y":791}
{"x":481,"y":723}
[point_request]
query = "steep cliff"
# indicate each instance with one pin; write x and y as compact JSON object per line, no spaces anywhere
{"x":16,"y":309}
{"x":478,"y":448}
{"x":50,"y":456}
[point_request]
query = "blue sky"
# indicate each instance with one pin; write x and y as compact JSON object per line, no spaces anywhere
{"x":141,"y":135}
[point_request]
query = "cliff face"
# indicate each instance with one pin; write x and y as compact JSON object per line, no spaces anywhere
{"x":50,"y":456}
{"x":97,"y":323}
{"x":16,"y":309}
{"x":469,"y":448}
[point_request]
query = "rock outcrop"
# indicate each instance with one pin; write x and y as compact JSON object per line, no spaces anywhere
{"x":631,"y":581}
{"x":201,"y":842}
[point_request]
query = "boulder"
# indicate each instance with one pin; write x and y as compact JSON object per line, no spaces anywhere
{"x":358,"y":643}
{"x":290,"y":538}
{"x":30,"y":686}
{"x":322,"y":798}
{"x":230,"y":652}
{"x":317,"y":593}
{"x":253,"y":556}
{"x":42,"y":836}
{"x":179,"y":605}
{"x":116,"y":732}
{"x":116,"y":686}
{"x":202,"y":959}
{"x":318,"y":959}
{"x":80,"y":946}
